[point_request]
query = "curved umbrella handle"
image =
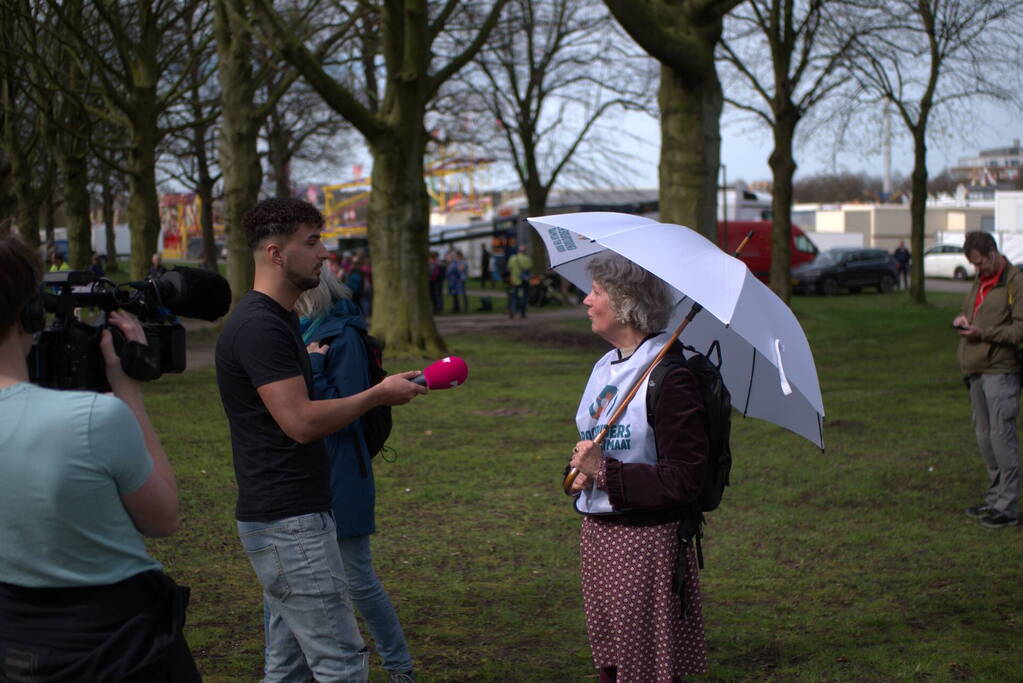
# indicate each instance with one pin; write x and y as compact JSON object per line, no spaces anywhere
{"x":573,"y":473}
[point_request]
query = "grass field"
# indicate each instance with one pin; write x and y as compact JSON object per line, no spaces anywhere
{"x":856,"y":564}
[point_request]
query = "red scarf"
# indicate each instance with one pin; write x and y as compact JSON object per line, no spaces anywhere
{"x":986,"y":285}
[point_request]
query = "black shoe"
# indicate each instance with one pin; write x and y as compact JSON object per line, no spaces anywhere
{"x":979,"y":512}
{"x":995,"y":521}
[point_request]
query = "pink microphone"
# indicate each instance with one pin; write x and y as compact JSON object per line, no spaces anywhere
{"x":444,"y":374}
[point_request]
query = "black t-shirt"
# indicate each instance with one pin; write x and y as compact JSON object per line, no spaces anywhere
{"x":277,"y":476}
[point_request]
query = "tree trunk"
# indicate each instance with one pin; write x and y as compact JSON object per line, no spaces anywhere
{"x":50,"y":212}
{"x":783,"y":168}
{"x":239,"y":133}
{"x":29,"y":200}
{"x":209,"y":238}
{"x":398,"y":221}
{"x":536,"y":198}
{"x":279,"y":156}
{"x":690,"y":146}
{"x":143,"y":200}
{"x":108,"y":225}
{"x":204,"y":189}
{"x":918,"y":215}
{"x":74,"y":169}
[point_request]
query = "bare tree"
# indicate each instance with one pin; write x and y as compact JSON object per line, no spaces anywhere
{"x":191,"y":148}
{"x":242,"y":73}
{"x":24,"y":128}
{"x":136,"y":58}
{"x":925,"y":55}
{"x":110,"y":186}
{"x":404,"y":50}
{"x":683,"y":36}
{"x":799,"y":67}
{"x":302,"y":128}
{"x":551,"y":73}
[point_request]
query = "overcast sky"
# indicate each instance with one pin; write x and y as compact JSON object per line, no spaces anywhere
{"x":745,"y":149}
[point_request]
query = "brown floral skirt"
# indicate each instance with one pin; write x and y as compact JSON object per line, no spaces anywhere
{"x":633,"y":619}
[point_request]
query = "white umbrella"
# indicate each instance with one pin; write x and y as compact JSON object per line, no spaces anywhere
{"x":766,"y":361}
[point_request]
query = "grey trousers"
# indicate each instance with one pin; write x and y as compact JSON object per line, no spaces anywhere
{"x":995,"y":403}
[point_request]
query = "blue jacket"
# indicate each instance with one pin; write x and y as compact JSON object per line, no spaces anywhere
{"x":344,"y":371}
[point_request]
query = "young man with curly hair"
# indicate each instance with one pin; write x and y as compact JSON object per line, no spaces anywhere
{"x":281,"y":464}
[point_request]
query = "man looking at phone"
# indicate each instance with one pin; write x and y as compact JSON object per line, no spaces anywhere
{"x":990,"y":327}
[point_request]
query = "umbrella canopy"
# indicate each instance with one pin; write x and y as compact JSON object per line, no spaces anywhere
{"x":766,"y":361}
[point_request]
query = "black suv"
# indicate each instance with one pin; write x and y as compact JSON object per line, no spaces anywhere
{"x":849,"y":268}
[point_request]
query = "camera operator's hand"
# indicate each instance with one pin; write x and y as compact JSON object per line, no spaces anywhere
{"x":124,"y":387}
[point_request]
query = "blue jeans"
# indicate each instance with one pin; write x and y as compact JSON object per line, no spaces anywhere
{"x":374,"y":604}
{"x":310,"y":627}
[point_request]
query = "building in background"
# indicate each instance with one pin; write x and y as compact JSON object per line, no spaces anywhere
{"x":997,"y":168}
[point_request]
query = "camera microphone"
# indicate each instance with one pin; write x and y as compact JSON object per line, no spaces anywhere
{"x":194,"y":293}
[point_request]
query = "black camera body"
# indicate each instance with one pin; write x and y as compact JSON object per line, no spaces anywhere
{"x":67,"y":353}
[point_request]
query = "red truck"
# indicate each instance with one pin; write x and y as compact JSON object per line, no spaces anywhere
{"x":757,"y":252}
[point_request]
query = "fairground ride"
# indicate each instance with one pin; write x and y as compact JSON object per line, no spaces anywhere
{"x":181,"y":222}
{"x":453,"y":183}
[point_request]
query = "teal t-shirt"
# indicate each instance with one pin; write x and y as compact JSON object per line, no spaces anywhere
{"x":66,"y":458}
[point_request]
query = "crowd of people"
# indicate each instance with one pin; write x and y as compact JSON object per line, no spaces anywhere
{"x":82,"y":599}
{"x":292,"y":370}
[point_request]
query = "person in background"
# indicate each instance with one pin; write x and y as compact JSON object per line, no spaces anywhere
{"x":366,"y":304}
{"x":639,"y":495}
{"x":334,"y":265}
{"x":436,"y":279}
{"x":96,"y":266}
{"x":902,"y":258}
{"x":519,"y":271}
{"x":83,"y":477}
{"x":484,"y":266}
{"x":204,"y":263}
{"x":457,"y":276}
{"x":281,"y":465}
{"x":990,"y":326}
{"x":58,"y":263}
{"x":156,"y":269}
{"x":332,"y":327}
{"x":356,"y":281}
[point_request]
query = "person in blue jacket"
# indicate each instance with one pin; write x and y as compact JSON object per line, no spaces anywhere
{"x":332,"y":326}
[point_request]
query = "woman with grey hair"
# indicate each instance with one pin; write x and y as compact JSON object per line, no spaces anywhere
{"x":637,"y":487}
{"x":332,"y":325}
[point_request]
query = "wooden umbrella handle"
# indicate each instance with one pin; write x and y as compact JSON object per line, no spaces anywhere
{"x":574,"y":472}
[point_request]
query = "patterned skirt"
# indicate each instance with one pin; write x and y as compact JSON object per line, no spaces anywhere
{"x":633,"y":619}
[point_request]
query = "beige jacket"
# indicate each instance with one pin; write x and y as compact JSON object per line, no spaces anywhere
{"x":1000,"y":316}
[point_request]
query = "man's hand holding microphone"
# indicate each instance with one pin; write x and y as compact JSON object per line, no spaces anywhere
{"x":400,"y":388}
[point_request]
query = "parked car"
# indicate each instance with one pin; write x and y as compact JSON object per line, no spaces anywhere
{"x":757,"y":252}
{"x":947,"y":260}
{"x":850,"y":268}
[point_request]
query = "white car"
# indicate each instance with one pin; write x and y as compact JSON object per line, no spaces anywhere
{"x":947,"y":260}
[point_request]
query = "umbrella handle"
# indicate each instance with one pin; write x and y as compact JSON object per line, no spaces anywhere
{"x":573,"y":473}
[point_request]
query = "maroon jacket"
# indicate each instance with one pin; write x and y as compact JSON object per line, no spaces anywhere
{"x":656,"y":494}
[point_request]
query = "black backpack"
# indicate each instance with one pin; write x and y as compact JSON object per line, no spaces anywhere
{"x":717,"y":415}
{"x":376,"y":423}
{"x":717,"y":405}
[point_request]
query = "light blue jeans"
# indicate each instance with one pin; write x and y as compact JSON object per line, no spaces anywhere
{"x":374,"y":604}
{"x":311,"y":630}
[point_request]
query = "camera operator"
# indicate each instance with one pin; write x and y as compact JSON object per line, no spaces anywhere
{"x":82,"y":478}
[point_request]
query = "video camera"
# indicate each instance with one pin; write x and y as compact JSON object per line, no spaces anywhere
{"x":67,"y":354}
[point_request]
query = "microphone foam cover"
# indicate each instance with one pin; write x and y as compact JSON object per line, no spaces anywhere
{"x":446,"y":373}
